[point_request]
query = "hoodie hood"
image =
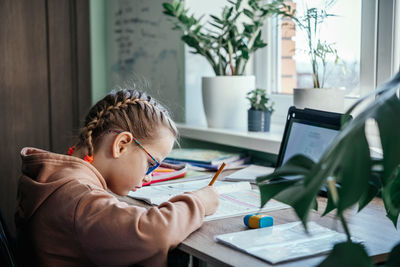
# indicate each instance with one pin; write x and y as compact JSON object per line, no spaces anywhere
{"x":44,"y":172}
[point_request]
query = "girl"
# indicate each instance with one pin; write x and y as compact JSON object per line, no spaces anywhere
{"x":65,"y":212}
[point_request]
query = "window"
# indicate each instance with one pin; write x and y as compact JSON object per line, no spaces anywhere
{"x":343,"y":31}
{"x":365,"y":35}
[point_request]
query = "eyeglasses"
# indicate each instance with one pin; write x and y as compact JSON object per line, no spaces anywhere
{"x":156,"y":163}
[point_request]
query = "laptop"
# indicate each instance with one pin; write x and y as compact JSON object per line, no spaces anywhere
{"x":307,"y":131}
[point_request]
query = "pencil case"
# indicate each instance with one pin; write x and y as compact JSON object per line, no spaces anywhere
{"x":258,"y":220}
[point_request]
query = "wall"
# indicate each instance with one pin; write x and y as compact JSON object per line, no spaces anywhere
{"x":98,"y":49}
{"x":141,"y":46}
{"x":151,"y":50}
{"x":44,"y":82}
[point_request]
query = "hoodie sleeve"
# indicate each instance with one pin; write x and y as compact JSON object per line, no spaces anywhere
{"x":113,"y":233}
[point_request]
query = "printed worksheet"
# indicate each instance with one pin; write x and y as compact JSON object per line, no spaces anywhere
{"x":236,"y":198}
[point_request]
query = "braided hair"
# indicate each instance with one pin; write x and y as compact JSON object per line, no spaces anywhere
{"x":126,"y":110}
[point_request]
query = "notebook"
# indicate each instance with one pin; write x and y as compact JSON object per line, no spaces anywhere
{"x":284,"y":242}
{"x":205,"y":156}
{"x":234,"y":199}
{"x":307,"y":131}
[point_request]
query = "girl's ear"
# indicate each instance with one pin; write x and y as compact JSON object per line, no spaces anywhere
{"x":121,"y":143}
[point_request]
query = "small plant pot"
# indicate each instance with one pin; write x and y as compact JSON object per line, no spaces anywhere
{"x":258,"y":120}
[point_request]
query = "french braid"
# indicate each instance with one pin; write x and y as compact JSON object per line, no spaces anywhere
{"x":126,"y":110}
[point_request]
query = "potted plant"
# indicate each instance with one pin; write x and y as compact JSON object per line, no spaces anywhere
{"x":226,"y":41}
{"x":348,"y":161}
{"x":261,"y":109}
{"x":319,"y":51}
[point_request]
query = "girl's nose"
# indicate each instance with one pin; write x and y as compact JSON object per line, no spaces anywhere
{"x":147,"y":178}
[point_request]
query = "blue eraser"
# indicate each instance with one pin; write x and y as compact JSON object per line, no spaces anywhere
{"x":247,"y":217}
{"x":258,"y":221}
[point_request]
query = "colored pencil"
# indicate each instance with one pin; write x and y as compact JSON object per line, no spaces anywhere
{"x":217,"y":174}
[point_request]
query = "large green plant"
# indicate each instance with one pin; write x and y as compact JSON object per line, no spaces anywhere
{"x":226,"y":41}
{"x":347,"y":161}
{"x":318,"y":50}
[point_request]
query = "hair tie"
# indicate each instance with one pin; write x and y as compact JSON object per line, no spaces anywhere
{"x":88,"y":158}
{"x":71,"y":150}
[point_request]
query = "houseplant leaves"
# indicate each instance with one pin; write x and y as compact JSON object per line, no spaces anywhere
{"x":348,"y":161}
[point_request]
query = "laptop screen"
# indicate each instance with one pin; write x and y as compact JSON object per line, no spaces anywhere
{"x":307,"y":139}
{"x":308,"y":132}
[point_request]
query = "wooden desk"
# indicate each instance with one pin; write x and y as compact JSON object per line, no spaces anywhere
{"x":370,"y":225}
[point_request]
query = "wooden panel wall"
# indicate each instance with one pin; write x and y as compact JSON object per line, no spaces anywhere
{"x":42,"y":93}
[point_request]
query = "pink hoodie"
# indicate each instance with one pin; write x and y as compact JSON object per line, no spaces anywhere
{"x":67,"y":215}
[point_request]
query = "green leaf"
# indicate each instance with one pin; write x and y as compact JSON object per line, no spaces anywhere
{"x":393,"y":259}
{"x":180,"y":9}
{"x":197,"y":29}
{"x":301,"y":197}
{"x":229,"y":13}
{"x":395,"y":189}
{"x":248,"y":28}
{"x":248,"y":13}
{"x":374,"y":186}
{"x":296,"y":165}
{"x":216,"y":26}
{"x":385,"y":119}
{"x":168,"y":7}
{"x":286,"y":196}
{"x":216,"y":19}
{"x":368,"y":196}
{"x":190,"y":41}
{"x":175,"y":3}
{"x":274,"y":188}
{"x":168,"y":13}
{"x":184,"y":20}
{"x":237,"y":6}
{"x":245,"y":53}
{"x":355,"y":170}
{"x":391,"y":211}
{"x":347,"y":254}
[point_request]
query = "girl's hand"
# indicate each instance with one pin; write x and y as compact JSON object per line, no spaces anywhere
{"x":210,"y":198}
{"x":147,"y":178}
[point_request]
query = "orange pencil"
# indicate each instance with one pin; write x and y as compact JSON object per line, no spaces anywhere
{"x":217,"y":174}
{"x":164,"y":170}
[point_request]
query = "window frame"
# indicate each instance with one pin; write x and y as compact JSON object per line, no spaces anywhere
{"x":266,"y":67}
{"x":381,"y":16}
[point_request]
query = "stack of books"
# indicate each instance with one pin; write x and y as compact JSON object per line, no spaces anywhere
{"x":206,"y":158}
{"x":167,"y":172}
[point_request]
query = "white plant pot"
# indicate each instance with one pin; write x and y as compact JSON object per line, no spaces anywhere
{"x":327,"y":99}
{"x":224,"y":100}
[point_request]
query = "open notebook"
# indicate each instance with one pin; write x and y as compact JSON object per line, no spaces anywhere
{"x":235,"y":198}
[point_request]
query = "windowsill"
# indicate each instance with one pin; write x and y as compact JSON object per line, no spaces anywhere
{"x":264,"y":142}
{"x":259,"y":141}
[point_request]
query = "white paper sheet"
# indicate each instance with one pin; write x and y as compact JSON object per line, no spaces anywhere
{"x":284,"y":242}
{"x":236,"y":198}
